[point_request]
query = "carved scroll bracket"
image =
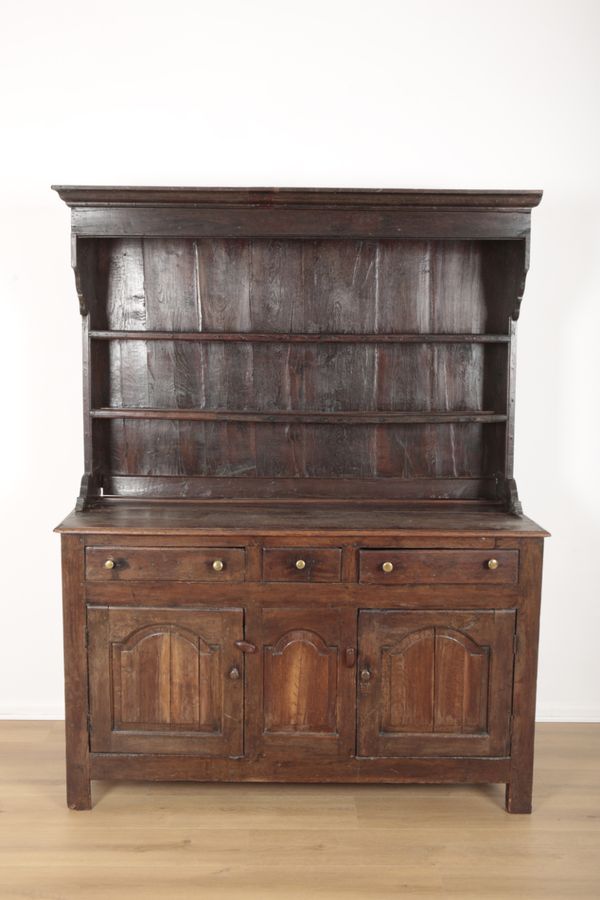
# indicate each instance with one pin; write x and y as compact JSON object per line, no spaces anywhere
{"x":520,"y":288}
{"x":75,"y":265}
{"x":89,"y":491}
{"x":508,"y":493}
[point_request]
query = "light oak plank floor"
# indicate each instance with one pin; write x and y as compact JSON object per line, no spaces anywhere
{"x":260,"y":842}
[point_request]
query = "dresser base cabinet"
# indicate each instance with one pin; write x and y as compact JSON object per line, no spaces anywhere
{"x":298,"y":551}
{"x":277,"y":681}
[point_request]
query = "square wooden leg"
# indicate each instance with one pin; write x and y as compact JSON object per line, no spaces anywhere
{"x":518,"y":797}
{"x":79,"y":788}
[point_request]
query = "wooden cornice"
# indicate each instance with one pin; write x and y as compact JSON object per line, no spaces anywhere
{"x":329,"y":198}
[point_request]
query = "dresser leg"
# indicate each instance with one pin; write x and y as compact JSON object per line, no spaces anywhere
{"x":518,"y":796}
{"x":76,"y":675}
{"x":519,"y":787}
{"x":79,"y":788}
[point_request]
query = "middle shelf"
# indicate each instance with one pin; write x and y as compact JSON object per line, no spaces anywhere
{"x":351,"y":417}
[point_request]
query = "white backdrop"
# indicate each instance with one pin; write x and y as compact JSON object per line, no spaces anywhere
{"x":385,"y":93}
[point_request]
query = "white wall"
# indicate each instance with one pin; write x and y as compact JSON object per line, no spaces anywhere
{"x":468,"y":94}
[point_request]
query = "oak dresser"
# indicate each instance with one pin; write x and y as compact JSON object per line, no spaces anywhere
{"x":298,"y":552}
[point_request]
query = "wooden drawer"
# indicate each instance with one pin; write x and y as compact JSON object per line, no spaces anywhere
{"x":439,"y":566}
{"x":302,"y":564}
{"x":165,"y":564}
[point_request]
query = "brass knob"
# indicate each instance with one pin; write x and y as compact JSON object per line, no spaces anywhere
{"x":493,"y":564}
{"x":300,"y":564}
{"x":218,"y":565}
{"x":109,"y":564}
{"x":365,"y":676}
{"x":388,"y":567}
{"x":234,"y":673}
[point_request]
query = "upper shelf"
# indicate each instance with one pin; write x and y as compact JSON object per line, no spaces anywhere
{"x":297,"y":338}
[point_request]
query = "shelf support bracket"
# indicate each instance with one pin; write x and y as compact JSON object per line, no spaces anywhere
{"x":75,"y":265}
{"x":507,"y":492}
{"x":89,"y":491}
{"x":520,"y":287}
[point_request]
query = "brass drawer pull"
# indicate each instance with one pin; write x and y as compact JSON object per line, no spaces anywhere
{"x":300,"y":564}
{"x":109,"y":564}
{"x":493,"y":564}
{"x":234,"y":673}
{"x":218,"y":565}
{"x":388,"y":567}
{"x":365,"y":675}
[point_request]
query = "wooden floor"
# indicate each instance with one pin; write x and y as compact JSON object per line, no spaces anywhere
{"x":177,"y":841}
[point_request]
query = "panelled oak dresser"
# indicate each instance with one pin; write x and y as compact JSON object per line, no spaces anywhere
{"x":298,"y":553}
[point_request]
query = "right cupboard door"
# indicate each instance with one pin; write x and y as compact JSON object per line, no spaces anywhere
{"x":435,"y":683}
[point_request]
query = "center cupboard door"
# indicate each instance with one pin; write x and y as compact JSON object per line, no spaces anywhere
{"x":435,"y":683}
{"x":307,"y":699}
{"x":166,"y":681}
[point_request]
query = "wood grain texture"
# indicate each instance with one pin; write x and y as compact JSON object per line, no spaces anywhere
{"x":438,"y":567}
{"x":520,"y":786}
{"x":232,"y":408}
{"x":90,"y":195}
{"x":394,"y":520}
{"x":435,"y":683}
{"x":298,"y":446}
{"x":76,"y":675}
{"x":469,"y":224}
{"x":168,"y":687}
{"x":302,"y":564}
{"x":165,"y":564}
{"x":307,"y":689}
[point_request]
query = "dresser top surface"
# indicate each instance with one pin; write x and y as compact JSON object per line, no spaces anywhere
{"x":277,"y":518}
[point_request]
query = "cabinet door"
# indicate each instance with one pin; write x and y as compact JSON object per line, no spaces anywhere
{"x":307,"y":699}
{"x":435,"y":683}
{"x":166,"y":681}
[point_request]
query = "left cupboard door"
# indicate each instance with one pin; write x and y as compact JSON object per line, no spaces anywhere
{"x":166,"y":681}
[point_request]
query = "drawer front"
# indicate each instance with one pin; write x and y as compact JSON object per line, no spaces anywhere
{"x":302,"y":564}
{"x":439,"y":566}
{"x":215,"y":564}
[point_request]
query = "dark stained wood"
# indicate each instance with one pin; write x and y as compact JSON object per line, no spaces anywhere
{"x":273,"y":487}
{"x":300,"y":564}
{"x":494,"y":224}
{"x":519,"y":788}
{"x":161,"y":681}
{"x":76,"y":675}
{"x":359,"y":417}
{"x":285,"y":389}
{"x":392,"y":520}
{"x":311,"y":595}
{"x":439,"y":567}
{"x":435,"y":683}
{"x":307,"y":689}
{"x":164,"y":564}
{"x":200,"y":386}
{"x":89,"y":195}
{"x":329,"y":770}
{"x":297,"y":338}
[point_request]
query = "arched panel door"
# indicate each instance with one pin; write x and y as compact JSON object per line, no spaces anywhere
{"x":307,"y":701}
{"x":434,"y":683}
{"x":166,"y":681}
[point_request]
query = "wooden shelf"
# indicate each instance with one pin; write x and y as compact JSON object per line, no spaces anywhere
{"x":354,"y":417}
{"x":298,"y":338}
